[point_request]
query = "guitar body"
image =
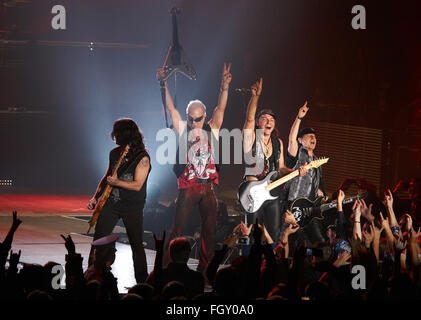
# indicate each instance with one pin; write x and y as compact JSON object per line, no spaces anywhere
{"x":177,"y":60}
{"x":305,"y":210}
{"x":252,"y":194}
{"x":105,"y":195}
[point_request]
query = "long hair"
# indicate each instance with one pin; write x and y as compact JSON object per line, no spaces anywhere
{"x":126,"y":131}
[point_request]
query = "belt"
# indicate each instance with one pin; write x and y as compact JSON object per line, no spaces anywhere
{"x":203,"y":181}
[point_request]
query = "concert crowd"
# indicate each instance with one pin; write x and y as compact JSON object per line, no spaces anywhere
{"x":380,"y":237}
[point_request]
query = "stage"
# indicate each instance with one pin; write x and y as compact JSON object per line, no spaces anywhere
{"x":46,"y":217}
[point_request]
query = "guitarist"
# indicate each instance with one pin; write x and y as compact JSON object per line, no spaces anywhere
{"x":301,"y":148}
{"x":197,"y":173}
{"x":263,"y":153}
{"x":128,"y":195}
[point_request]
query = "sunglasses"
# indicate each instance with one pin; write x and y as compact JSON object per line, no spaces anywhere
{"x":195,"y":119}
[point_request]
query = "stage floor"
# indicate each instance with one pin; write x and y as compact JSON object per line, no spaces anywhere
{"x":46,"y":217}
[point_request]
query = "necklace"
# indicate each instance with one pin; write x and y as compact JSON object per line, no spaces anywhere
{"x":266,"y":145}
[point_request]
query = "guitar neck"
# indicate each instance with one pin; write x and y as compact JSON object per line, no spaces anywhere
{"x":282,"y":180}
{"x":332,"y":205}
{"x":175,"y":42}
{"x":295,"y":173}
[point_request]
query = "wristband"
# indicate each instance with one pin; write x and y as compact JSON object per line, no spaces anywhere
{"x":357,"y":222}
{"x":299,"y":118}
{"x":395,"y":229}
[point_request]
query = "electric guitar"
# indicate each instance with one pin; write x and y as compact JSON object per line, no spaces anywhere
{"x":107,"y":191}
{"x":305,"y":210}
{"x":176,"y":60}
{"x":253,"y":194}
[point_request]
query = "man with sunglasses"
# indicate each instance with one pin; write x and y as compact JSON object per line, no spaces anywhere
{"x":195,"y":168}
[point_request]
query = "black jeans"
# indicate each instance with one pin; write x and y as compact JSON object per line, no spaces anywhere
{"x":269,"y":214}
{"x":133,"y":222}
{"x":201,"y":194}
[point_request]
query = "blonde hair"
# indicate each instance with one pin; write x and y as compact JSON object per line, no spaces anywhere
{"x":195,"y":104}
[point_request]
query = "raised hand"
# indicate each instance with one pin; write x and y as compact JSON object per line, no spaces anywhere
{"x":245,"y":231}
{"x":257,"y":232}
{"x":384,"y":222}
{"x":400,"y":245}
{"x":291,"y":229}
{"x":376,"y":231}
{"x":341,"y":196}
{"x":289,"y":218}
{"x":366,"y":211}
{"x":226,"y":76}
{"x":159,"y":243}
{"x":356,"y":210}
{"x":69,"y":244}
{"x":303,"y":111}
{"x":160,"y":74}
{"x":231,"y":239}
{"x":14,"y":259}
{"x":16,"y":222}
{"x":414,"y":235}
{"x":342,"y":260}
{"x":408,"y":225}
{"x":256,"y":88}
{"x":388,"y":198}
{"x":368,"y":234}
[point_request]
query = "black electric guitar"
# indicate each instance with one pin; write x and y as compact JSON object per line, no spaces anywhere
{"x":253,"y":194}
{"x":305,"y":210}
{"x":176,"y":60}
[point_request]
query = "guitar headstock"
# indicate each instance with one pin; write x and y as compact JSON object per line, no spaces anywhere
{"x":317,"y":163}
{"x":175,"y":10}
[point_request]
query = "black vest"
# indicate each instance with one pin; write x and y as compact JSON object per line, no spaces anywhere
{"x":123,"y":199}
{"x":273,"y":159}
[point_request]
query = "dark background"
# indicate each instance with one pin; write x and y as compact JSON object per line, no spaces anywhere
{"x":304,"y":50}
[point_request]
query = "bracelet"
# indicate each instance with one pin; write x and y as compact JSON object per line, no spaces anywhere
{"x":222,"y":89}
{"x":299,"y":118}
{"x":395,"y":229}
{"x":357,"y":222}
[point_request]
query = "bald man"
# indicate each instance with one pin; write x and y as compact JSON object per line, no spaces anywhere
{"x":196,"y":170}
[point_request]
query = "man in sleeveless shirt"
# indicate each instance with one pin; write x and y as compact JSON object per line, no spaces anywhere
{"x":196,"y":170}
{"x":263,"y":152}
{"x":128,"y":195}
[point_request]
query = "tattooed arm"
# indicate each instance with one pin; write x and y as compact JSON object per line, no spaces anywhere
{"x":140,"y":175}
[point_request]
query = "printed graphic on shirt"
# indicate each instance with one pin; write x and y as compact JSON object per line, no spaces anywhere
{"x":199,"y":158}
{"x":200,"y":164}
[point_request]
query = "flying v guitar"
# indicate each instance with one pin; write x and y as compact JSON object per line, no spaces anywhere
{"x":176,"y":61}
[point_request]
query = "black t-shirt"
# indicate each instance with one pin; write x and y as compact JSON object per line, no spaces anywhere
{"x":290,"y":161}
{"x":123,"y":199}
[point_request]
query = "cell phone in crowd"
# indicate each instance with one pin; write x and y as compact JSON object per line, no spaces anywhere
{"x":314,"y":252}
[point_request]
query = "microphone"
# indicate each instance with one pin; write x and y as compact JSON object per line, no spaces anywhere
{"x":242,"y":90}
